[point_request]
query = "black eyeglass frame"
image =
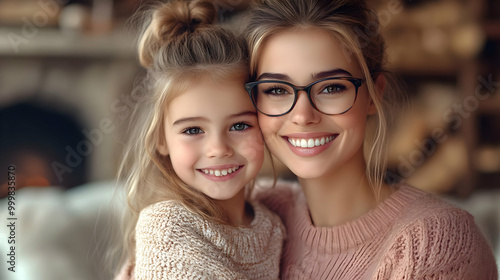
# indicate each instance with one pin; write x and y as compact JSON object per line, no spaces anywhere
{"x":357,"y":82}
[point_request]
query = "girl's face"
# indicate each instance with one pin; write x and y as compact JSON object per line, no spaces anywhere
{"x":213,"y":138}
{"x":300,"y":58}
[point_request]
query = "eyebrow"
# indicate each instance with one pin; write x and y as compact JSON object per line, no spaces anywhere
{"x":189,"y":119}
{"x":195,"y":119}
{"x":333,"y":72}
{"x":320,"y":75}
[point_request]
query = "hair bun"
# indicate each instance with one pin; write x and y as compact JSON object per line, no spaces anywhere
{"x":173,"y":21}
{"x":178,"y":17}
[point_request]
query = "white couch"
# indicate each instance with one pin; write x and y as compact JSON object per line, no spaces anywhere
{"x":59,"y":234}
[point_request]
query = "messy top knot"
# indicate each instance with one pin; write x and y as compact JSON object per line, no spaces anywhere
{"x":173,"y":21}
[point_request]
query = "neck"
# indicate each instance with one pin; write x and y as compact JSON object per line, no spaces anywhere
{"x":341,"y":196}
{"x":238,"y":213}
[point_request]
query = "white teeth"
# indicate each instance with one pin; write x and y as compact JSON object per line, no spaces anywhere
{"x":310,"y":143}
{"x":303,"y":143}
{"x":219,"y":173}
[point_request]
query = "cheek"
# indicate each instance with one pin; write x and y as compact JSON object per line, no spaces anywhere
{"x":269,"y":126}
{"x":182,"y":156}
{"x":353,"y":125}
{"x":252,"y":147}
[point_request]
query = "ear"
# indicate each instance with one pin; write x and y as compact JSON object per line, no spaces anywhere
{"x":162,"y":148}
{"x":380,"y":83}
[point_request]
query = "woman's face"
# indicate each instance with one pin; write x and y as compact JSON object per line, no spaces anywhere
{"x":300,"y":58}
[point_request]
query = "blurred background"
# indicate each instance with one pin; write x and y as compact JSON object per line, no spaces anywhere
{"x":69,"y":79}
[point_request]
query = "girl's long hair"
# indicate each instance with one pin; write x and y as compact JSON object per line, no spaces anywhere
{"x":178,"y":44}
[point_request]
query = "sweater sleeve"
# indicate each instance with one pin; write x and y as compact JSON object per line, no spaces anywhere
{"x":170,"y":246}
{"x":444,"y":245}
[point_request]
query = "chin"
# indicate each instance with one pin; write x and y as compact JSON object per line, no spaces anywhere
{"x":307,"y":172}
{"x":225,"y":195}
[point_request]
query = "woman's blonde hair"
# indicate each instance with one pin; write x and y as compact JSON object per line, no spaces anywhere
{"x":179,"y":44}
{"x":357,"y":29}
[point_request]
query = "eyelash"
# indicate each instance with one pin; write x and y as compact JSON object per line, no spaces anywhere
{"x":338,"y":87}
{"x":241,"y":123}
{"x":274,"y":88}
{"x":187,"y":130}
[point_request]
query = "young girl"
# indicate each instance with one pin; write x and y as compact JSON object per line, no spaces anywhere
{"x":197,"y":147}
{"x":323,"y":101}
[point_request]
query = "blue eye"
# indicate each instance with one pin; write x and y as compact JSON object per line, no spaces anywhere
{"x":192,"y":131}
{"x":240,"y":127}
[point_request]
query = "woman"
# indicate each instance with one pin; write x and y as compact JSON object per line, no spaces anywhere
{"x":323,"y":103}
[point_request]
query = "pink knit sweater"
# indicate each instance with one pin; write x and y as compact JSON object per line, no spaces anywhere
{"x":411,"y":235}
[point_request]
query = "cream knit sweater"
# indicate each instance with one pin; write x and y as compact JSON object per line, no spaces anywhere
{"x":174,"y":243}
{"x":411,"y":235}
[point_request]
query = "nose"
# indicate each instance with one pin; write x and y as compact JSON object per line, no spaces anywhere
{"x":218,"y":147}
{"x":303,"y":113}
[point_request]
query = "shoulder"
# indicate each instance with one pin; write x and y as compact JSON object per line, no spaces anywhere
{"x":423,"y":206}
{"x":164,"y":207}
{"x":433,"y":215}
{"x":166,"y":215}
{"x":427,"y":214}
{"x":432,"y":235}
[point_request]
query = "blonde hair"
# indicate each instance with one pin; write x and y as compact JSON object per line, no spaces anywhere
{"x":178,"y":44}
{"x":357,"y":29}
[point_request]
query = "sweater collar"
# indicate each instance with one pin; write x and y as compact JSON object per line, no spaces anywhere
{"x":366,"y":228}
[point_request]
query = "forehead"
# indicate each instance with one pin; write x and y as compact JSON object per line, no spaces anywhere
{"x":304,"y":52}
{"x":211,"y":98}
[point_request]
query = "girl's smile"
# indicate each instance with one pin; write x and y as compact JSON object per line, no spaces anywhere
{"x":213,"y":139}
{"x":221,"y":173}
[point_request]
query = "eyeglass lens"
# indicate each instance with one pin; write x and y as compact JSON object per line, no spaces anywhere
{"x":334,"y":96}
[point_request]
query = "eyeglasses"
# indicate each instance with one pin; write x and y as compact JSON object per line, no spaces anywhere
{"x":330,"y":96}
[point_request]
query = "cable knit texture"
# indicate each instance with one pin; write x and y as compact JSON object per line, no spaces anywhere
{"x":174,"y":243}
{"x":411,"y":235}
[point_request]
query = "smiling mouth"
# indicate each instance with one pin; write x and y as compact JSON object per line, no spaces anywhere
{"x":310,"y":142}
{"x":220,"y":172}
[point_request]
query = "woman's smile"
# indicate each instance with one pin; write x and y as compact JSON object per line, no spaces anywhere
{"x":309,"y":144}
